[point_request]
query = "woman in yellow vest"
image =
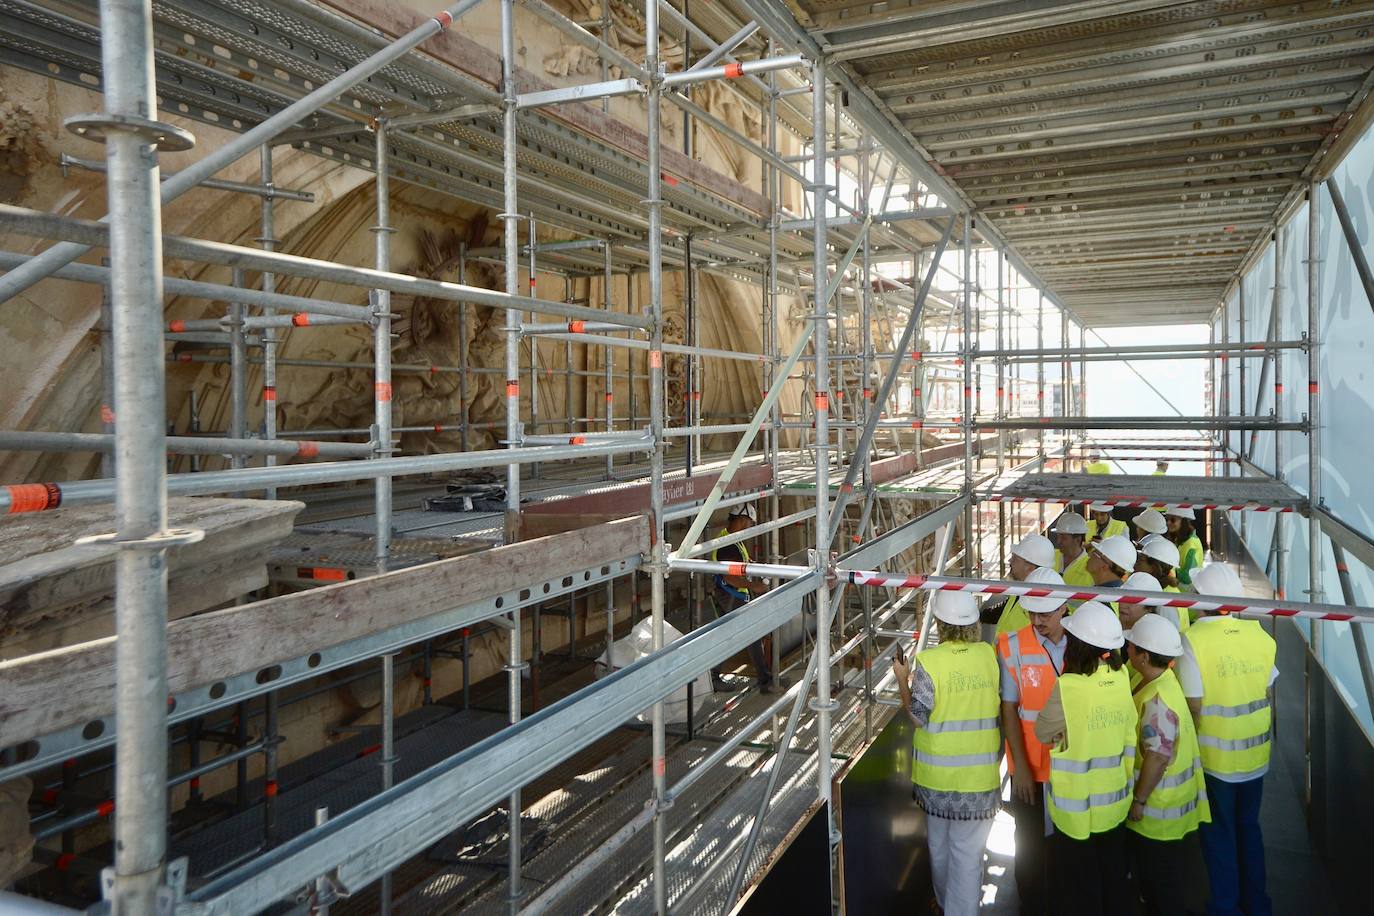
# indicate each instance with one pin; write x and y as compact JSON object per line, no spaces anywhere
{"x":1089,"y":724}
{"x":1159,"y":557}
{"x":1101,"y":525}
{"x":1170,"y":796}
{"x":1189,"y":545}
{"x":950,"y":693}
{"x":1226,"y":671}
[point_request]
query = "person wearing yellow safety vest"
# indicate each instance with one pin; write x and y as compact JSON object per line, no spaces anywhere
{"x":1226,"y":672}
{"x":1149,"y":522}
{"x":1170,"y":796}
{"x":1096,"y":465}
{"x":1089,"y":724}
{"x":1130,"y":612}
{"x":1180,"y":521}
{"x":1032,"y":552}
{"x":950,"y":693}
{"x":1071,"y":560}
{"x":1031,"y":661}
{"x":732,"y":592}
{"x":1158,"y":556}
{"x":1109,"y":562}
{"x":1161,"y":468}
{"x":1101,"y":525}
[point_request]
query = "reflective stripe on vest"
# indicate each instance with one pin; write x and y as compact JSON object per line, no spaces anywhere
{"x":1178,"y":802}
{"x":1091,"y":781}
{"x":1030,"y":665}
{"x":1235,"y":659}
{"x":957,"y":750}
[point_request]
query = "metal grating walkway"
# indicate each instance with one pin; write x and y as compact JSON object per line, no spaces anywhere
{"x":1167,"y":489}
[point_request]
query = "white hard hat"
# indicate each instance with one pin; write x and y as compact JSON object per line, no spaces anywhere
{"x":1118,"y":549}
{"x":1150,"y":520}
{"x":1096,"y":625}
{"x":1071,"y":523}
{"x":956,"y":608}
{"x":1181,"y":512}
{"x":1035,"y":549}
{"x":1043,"y":576}
{"x":1158,"y":547}
{"x":1099,"y":507}
{"x":1094,"y":453}
{"x":746,"y":510}
{"x":1156,"y":634}
{"x":1217,"y":579}
{"x":1142,"y":582}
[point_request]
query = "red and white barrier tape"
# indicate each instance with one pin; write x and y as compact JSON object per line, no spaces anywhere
{"x":1248,"y":606}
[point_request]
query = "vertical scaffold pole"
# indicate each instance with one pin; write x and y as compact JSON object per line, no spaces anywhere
{"x":658,"y":568}
{"x":820,"y":340}
{"x":1315,"y":590}
{"x":511,"y":240}
{"x":268,"y":241}
{"x":608,"y":357}
{"x":966,"y":420}
{"x":1275,"y":329}
{"x":140,"y":828}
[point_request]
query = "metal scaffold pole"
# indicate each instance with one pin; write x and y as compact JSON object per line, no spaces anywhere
{"x":1315,"y":590}
{"x":268,"y":241}
{"x":966,"y":418}
{"x":658,"y":568}
{"x":820,"y":340}
{"x":132,"y":138}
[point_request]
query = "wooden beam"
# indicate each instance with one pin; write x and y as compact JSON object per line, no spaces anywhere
{"x":41,"y":694}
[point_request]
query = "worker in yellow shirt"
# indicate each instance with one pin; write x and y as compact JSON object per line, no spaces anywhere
{"x":1032,"y":552}
{"x":1101,"y":525}
{"x":1161,"y":468}
{"x":1095,"y":464}
{"x":1071,"y":559}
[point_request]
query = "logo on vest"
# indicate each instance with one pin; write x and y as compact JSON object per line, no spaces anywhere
{"x":1031,"y":676}
{"x":960,"y":682}
{"x":1102,"y":717}
{"x":1236,"y":666}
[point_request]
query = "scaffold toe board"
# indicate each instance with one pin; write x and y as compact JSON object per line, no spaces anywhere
{"x":1144,"y":491}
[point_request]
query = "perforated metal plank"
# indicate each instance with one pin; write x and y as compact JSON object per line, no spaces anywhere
{"x":1171,"y":488}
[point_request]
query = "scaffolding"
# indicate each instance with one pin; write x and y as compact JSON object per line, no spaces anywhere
{"x":510,"y":145}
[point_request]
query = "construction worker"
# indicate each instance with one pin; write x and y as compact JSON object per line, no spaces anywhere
{"x":1227,"y":672}
{"x":1095,"y":464}
{"x":1158,"y":556}
{"x":1110,"y":561}
{"x":1130,"y":612}
{"x":1149,"y":522}
{"x":950,"y":693}
{"x":1089,"y":725}
{"x":1029,"y":554}
{"x":732,"y":592}
{"x":1071,"y":560}
{"x":1180,"y":521}
{"x":1101,"y":525}
{"x":1031,"y":659}
{"x":1161,"y":468}
{"x":1169,"y":800}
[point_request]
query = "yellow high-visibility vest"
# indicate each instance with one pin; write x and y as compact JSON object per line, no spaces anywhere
{"x":1235,"y":658}
{"x":1114,"y":527}
{"x":1013,"y":618}
{"x":957,"y":749}
{"x":1179,"y":801}
{"x":1098,"y":467}
{"x":1090,"y":782}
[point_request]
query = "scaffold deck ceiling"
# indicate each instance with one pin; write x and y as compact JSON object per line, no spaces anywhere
{"x":1127,"y":488}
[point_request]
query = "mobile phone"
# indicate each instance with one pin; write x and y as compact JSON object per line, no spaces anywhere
{"x":900,"y":655}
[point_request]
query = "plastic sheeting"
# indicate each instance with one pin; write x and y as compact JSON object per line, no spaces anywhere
{"x":639,"y":644}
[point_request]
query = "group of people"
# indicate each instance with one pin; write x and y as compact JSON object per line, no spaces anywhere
{"x":1132,"y":734}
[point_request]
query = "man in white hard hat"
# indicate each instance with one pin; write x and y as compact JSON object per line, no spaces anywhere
{"x":1110,"y":561}
{"x":1169,"y":800}
{"x":1101,"y":525}
{"x":732,"y":592}
{"x":1071,"y":560}
{"x":1161,"y":468}
{"x":1095,"y":464}
{"x":950,"y":693}
{"x":1158,"y":556}
{"x":1227,"y":673}
{"x":1151,"y":521}
{"x":1032,"y":552}
{"x":1089,"y":725}
{"x":1031,"y":659}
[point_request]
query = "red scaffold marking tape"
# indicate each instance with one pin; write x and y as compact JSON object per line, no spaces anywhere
{"x":1311,"y":387}
{"x":300,"y":320}
{"x":916,"y":424}
{"x":734,"y":71}
{"x":868,"y":392}
{"x":307,"y":449}
{"x":65,"y":861}
{"x":512,"y":389}
{"x":846,"y":488}
{"x":609,"y":397}
{"x":269,"y":789}
{"x":107,"y":415}
{"x":822,"y":401}
{"x":660,"y":766}
{"x":696,"y":395}
{"x":105,"y":808}
{"x":438,"y":428}
{"x":671,"y":181}
{"x":533,"y":281}
{"x":735,"y":569}
{"x":34,"y":497}
{"x":269,"y":394}
{"x":1278,"y":388}
{"x":383,"y":390}
{"x":176,"y":326}
{"x":183,"y":357}
{"x":576,"y":327}
{"x":445,"y":19}
{"x":577,"y":440}
{"x":323,"y":573}
{"x":655,"y":359}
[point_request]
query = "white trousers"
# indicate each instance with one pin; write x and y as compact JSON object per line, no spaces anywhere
{"x":956,"y":862}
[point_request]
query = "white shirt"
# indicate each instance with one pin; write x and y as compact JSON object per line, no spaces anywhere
{"x":1190,"y":679}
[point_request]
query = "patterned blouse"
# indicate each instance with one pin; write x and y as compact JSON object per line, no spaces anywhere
{"x":957,"y":806}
